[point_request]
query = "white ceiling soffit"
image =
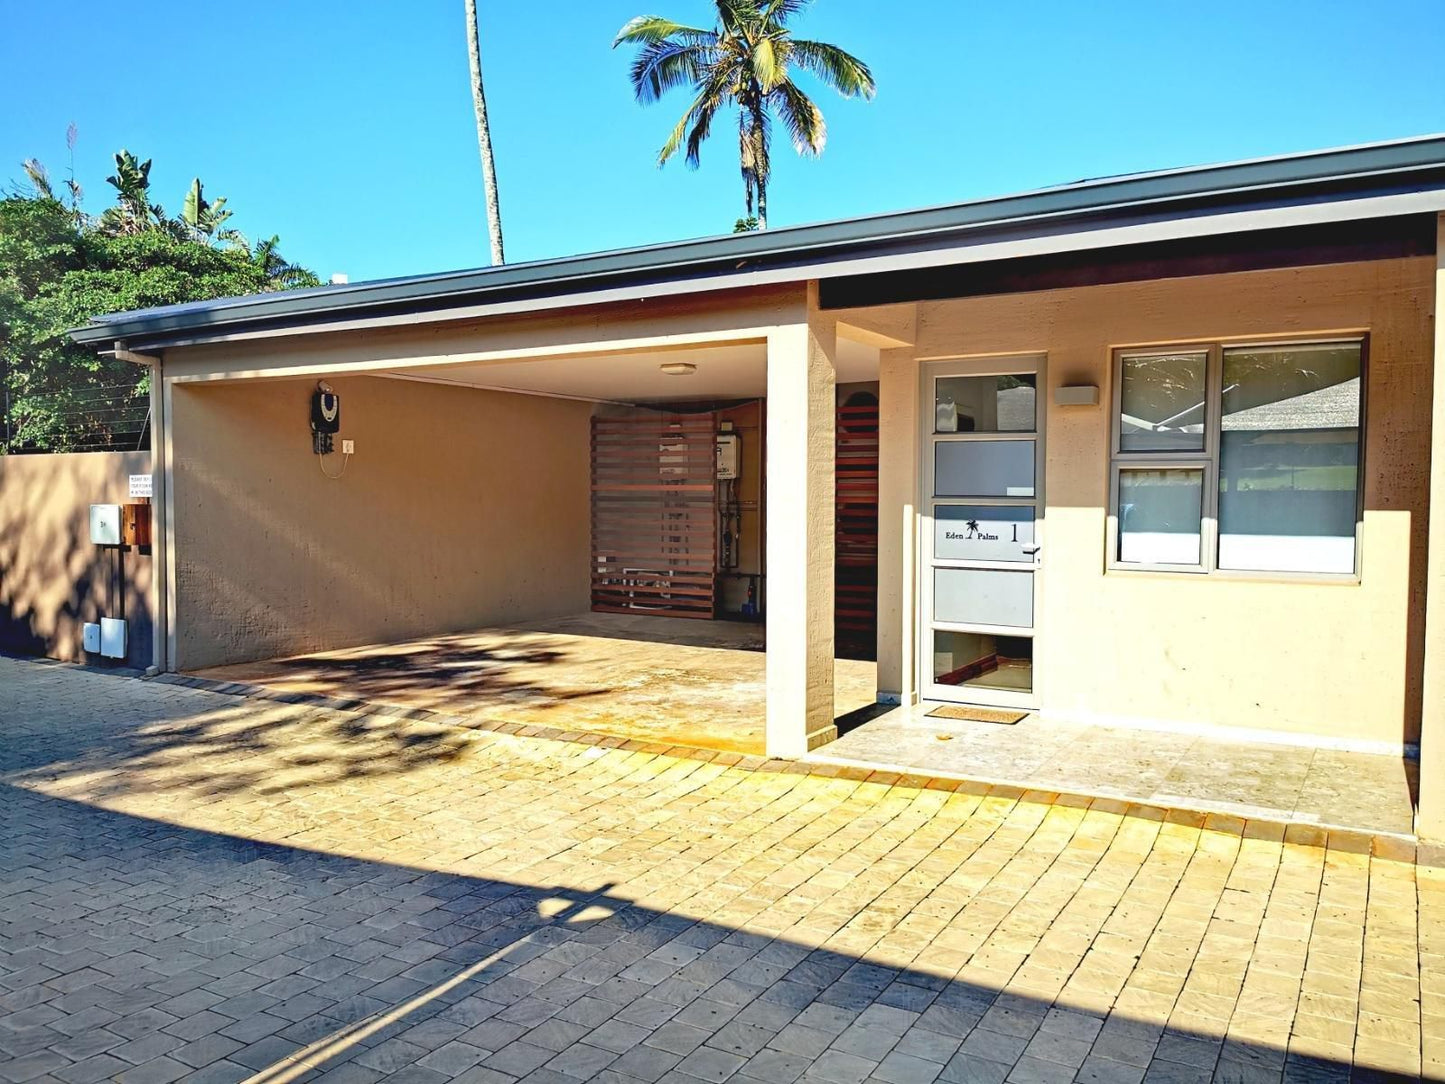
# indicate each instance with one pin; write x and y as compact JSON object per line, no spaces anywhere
{"x":733,"y":371}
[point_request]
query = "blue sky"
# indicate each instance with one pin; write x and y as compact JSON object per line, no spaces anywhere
{"x":345,"y":126}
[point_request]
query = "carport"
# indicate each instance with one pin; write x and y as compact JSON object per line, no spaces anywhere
{"x":531,"y":520}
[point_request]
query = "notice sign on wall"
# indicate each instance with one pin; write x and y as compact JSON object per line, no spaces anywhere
{"x":140,"y":485}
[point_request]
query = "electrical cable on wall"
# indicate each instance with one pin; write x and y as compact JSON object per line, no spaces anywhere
{"x":321,"y":462}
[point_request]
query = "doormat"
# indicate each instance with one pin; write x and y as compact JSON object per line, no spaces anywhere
{"x":978,"y":715}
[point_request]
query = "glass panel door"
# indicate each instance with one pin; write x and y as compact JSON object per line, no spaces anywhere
{"x":983,"y":484}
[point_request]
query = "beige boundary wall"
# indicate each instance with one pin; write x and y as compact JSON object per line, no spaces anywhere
{"x":1338,"y":661}
{"x":461,"y":508}
{"x":53,"y":579}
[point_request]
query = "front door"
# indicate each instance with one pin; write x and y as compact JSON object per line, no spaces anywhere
{"x":982,"y":491}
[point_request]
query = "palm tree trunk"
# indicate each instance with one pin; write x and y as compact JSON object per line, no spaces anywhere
{"x":484,"y":136}
{"x":763,"y":170}
{"x":745,"y":162}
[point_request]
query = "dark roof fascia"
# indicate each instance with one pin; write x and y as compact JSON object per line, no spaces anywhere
{"x":1301,"y":180}
{"x":1356,"y":241}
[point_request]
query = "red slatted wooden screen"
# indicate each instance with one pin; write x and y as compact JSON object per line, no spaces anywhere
{"x":654,"y":515}
{"x":855,"y":605}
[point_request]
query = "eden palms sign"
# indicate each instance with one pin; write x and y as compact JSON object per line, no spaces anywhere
{"x":978,"y":533}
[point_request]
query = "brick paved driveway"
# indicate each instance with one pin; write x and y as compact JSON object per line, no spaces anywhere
{"x":198,"y":887}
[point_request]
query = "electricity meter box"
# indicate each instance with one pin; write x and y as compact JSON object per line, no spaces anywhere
{"x":729,"y":456}
{"x":105,"y":524}
{"x":106,"y":637}
{"x":112,"y":637}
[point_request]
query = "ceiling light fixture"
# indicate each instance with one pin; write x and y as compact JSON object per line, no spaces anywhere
{"x":678,"y":368}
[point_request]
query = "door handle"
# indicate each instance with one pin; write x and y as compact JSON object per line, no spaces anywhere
{"x":1031,"y":550}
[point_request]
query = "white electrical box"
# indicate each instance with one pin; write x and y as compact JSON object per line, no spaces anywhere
{"x":90,"y":637}
{"x":729,"y":456}
{"x":112,"y":637}
{"x":105,"y":524}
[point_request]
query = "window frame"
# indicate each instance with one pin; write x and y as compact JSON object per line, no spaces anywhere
{"x":1208,"y":459}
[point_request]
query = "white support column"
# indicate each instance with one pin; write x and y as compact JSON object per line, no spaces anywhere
{"x":897,"y":520}
{"x":1430,"y":819}
{"x":801,"y":419}
{"x":160,"y":522}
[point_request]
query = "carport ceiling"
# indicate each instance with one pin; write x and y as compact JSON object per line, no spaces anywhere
{"x":732,"y":371}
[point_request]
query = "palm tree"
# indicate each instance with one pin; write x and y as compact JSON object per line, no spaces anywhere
{"x":484,"y":135}
{"x":744,"y":61}
{"x":280,"y":273}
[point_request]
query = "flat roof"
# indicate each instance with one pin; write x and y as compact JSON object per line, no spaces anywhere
{"x":1342,"y":184}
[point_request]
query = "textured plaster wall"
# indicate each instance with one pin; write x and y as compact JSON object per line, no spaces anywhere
{"x":1431,"y":821}
{"x":461,"y":508}
{"x":799,"y":459}
{"x":53,"y":579}
{"x":1340,"y":660}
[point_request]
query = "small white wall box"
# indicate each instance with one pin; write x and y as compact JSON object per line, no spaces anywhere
{"x":1077,"y":395}
{"x":729,"y":455}
{"x":90,"y":637}
{"x":105,"y":524}
{"x":112,"y":637}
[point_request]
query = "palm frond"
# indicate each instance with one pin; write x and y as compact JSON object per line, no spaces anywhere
{"x":736,"y":15}
{"x":660,"y":66}
{"x":701,"y":129}
{"x":779,"y":12}
{"x":699,"y":114}
{"x":648,"y":29}
{"x":712,"y":95}
{"x":39,"y":177}
{"x":234,"y":240}
{"x":766,"y":65}
{"x":841,"y":70}
{"x":801,"y":116}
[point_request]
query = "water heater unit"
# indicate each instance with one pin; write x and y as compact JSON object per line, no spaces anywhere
{"x":729,"y":456}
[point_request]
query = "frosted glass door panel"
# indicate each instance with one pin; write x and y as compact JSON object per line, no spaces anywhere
{"x":983,"y":468}
{"x":983,"y":596}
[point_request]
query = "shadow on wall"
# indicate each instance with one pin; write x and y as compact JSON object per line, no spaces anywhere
{"x":421,"y":536}
{"x":53,"y":579}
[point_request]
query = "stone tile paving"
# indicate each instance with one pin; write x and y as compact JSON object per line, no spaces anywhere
{"x":198,"y":887}
{"x":1249,"y":779}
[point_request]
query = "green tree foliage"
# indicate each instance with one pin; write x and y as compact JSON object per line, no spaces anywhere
{"x":746,"y":61}
{"x":59,"y":267}
{"x":205,"y":218}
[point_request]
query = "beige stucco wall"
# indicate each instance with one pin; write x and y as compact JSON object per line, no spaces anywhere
{"x":461,"y":508}
{"x":1430,"y":820}
{"x":1338,"y":660}
{"x":53,"y":579}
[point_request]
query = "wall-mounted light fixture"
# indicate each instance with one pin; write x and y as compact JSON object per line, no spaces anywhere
{"x":1077,"y":395}
{"x":678,"y":368}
